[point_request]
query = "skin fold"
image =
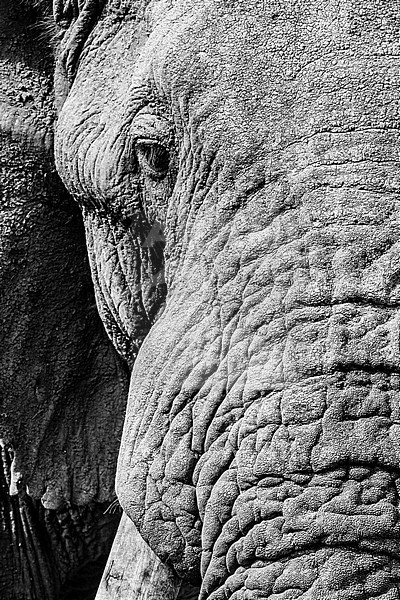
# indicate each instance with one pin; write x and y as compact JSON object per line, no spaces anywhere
{"x":260,"y":453}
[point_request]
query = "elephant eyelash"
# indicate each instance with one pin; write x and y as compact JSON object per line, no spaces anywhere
{"x":153,"y":157}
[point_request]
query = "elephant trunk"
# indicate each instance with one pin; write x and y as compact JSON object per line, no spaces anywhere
{"x":309,"y":505}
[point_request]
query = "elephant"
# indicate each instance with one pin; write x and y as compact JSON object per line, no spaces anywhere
{"x":237,"y":168}
{"x":63,"y":388}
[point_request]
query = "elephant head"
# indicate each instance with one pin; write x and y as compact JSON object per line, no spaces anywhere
{"x":260,"y":142}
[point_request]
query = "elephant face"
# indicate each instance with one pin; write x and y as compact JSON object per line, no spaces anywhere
{"x":237,"y":166}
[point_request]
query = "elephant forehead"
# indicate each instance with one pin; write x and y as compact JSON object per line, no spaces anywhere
{"x":275,"y":70}
{"x":285,"y":36}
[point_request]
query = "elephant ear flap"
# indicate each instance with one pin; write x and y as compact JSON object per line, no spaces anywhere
{"x":63,"y":388}
{"x":127,"y":265}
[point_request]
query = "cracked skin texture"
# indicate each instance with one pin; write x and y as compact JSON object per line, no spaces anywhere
{"x":261,"y":445}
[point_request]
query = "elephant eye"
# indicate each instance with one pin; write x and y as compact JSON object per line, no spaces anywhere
{"x":153,"y":157}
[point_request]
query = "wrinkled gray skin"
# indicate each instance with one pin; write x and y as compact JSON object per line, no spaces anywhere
{"x":261,"y":445}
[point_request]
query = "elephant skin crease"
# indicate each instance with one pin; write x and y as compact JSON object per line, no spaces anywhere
{"x":260,"y":452}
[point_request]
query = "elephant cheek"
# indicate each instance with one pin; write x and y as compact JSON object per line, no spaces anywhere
{"x":129,"y":288}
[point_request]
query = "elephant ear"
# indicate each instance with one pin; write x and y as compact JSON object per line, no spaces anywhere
{"x":63,"y":388}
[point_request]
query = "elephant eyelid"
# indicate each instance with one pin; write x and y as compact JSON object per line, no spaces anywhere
{"x":153,"y":157}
